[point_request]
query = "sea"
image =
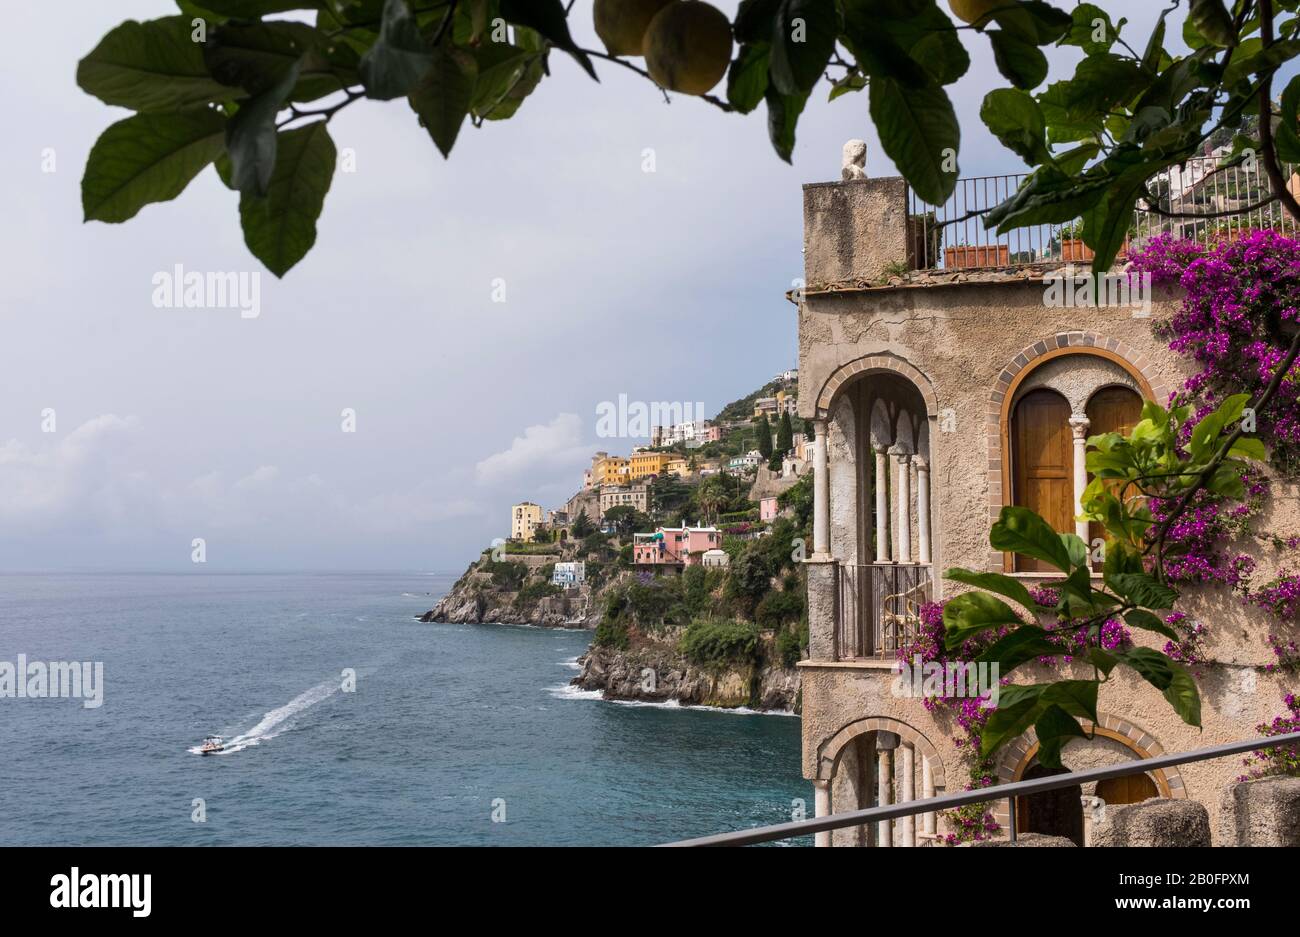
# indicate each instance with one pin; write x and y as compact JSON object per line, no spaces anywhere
{"x":346,"y":721}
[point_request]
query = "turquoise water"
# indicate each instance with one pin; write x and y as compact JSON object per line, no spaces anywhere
{"x":448,"y":725}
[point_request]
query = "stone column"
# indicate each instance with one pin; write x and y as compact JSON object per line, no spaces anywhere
{"x":922,"y":510}
{"x":903,"y":549}
{"x":882,"y":505}
{"x":927,"y":791}
{"x":908,"y":793}
{"x":1079,"y":427}
{"x":821,"y":494}
{"x":885,"y":795}
{"x":822,"y":808}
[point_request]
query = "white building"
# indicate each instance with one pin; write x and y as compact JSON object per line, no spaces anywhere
{"x":569,"y":574}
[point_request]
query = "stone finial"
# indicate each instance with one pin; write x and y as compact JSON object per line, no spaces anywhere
{"x":854,"y":168}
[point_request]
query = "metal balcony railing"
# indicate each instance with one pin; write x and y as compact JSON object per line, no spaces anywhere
{"x":952,"y":237}
{"x":879,"y":608}
{"x":836,"y":821}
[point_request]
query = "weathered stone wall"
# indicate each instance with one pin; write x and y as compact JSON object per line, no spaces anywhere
{"x":964,"y":345}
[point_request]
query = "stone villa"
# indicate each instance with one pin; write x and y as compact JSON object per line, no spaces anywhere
{"x":937,"y":398}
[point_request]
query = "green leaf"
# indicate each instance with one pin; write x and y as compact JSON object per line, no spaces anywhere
{"x":1054,"y":727}
{"x":1103,"y":660}
{"x":1019,"y":60}
{"x":1018,"y":707}
{"x":1141,"y":618}
{"x":747,"y":79}
{"x":442,"y":96}
{"x":1026,"y":643}
{"x":151,"y":66}
{"x":783,"y":112}
{"x":256,"y":56}
{"x":1020,"y":530}
{"x":1088,"y":19}
{"x":919,"y":132}
{"x":1077,"y":697}
{"x":1213,"y":22}
{"x":1142,"y":589}
{"x":251,"y":138}
{"x":799,"y":53}
{"x":1183,"y":695}
{"x":281,"y":228}
{"x":549,"y":19}
{"x":148,"y":158}
{"x":1155,"y":668}
{"x":1247,"y":447}
{"x":994,"y":582}
{"x":970,"y":613}
{"x":400,"y":57}
{"x":249,"y":9}
{"x":1017,"y":121}
{"x":1287,"y":136}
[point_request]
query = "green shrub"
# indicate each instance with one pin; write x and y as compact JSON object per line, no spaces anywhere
{"x":536,"y":590}
{"x":506,"y":575}
{"x":792,"y":644}
{"x":716,"y":642}
{"x":779,"y":608}
{"x":611,"y":633}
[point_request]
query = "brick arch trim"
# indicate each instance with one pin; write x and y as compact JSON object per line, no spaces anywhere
{"x":877,"y":364}
{"x":828,"y":752}
{"x":1017,"y":756}
{"x":998,"y":409}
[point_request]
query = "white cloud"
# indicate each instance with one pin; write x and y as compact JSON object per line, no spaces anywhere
{"x":541,"y":453}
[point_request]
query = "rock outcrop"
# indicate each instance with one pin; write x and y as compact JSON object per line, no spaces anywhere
{"x":658,"y":672}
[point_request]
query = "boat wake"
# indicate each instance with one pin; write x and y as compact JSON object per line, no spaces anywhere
{"x":277,"y":720}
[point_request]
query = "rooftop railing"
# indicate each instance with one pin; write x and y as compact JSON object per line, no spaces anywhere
{"x":1225,"y":199}
{"x":838,"y":821}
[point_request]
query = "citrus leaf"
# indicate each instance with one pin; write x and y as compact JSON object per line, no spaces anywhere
{"x":151,"y":66}
{"x":281,"y":228}
{"x":148,"y":158}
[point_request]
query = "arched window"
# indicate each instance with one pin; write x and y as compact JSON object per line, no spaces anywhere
{"x":1042,"y":457}
{"x":1111,"y":410}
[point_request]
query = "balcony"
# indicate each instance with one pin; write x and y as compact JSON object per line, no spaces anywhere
{"x":952,"y":238}
{"x":878,"y":610}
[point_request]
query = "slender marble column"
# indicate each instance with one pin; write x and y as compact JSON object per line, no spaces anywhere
{"x":821,"y":493}
{"x":903,"y":549}
{"x":882,"y":505}
{"x":1079,"y":428}
{"x":822,"y":808}
{"x":922,"y":510}
{"x":927,"y":791}
{"x":908,"y":793}
{"x":885,"y":794}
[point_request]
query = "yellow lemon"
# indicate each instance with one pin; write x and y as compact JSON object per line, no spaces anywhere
{"x":688,"y":46}
{"x":621,"y":24}
{"x":972,"y":11}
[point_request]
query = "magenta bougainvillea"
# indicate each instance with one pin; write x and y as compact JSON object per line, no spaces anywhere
{"x":1241,"y":296}
{"x":1276,"y":759}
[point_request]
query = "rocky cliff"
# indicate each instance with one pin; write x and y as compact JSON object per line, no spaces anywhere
{"x":659,"y":673}
{"x":653,"y":669}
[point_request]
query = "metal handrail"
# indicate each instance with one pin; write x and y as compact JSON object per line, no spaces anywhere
{"x":836,"y":821}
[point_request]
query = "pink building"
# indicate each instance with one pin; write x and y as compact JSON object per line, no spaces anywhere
{"x":674,"y":546}
{"x":768,"y":509}
{"x":712,"y":433}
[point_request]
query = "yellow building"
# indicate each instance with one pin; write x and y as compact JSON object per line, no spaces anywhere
{"x":524,"y":519}
{"x":678,"y":467}
{"x":611,"y":470}
{"x":643,"y":464}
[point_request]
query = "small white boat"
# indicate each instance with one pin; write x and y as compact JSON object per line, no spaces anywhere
{"x":211,"y":745}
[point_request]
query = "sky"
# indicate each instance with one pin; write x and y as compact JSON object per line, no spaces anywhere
{"x":128,"y":431}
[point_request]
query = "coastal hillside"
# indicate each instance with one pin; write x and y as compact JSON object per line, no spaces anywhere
{"x":725,"y":634}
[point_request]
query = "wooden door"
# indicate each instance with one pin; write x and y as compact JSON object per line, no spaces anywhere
{"x":1131,"y":789}
{"x":1053,"y":813}
{"x":1043,"y":463}
{"x":1111,"y":410}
